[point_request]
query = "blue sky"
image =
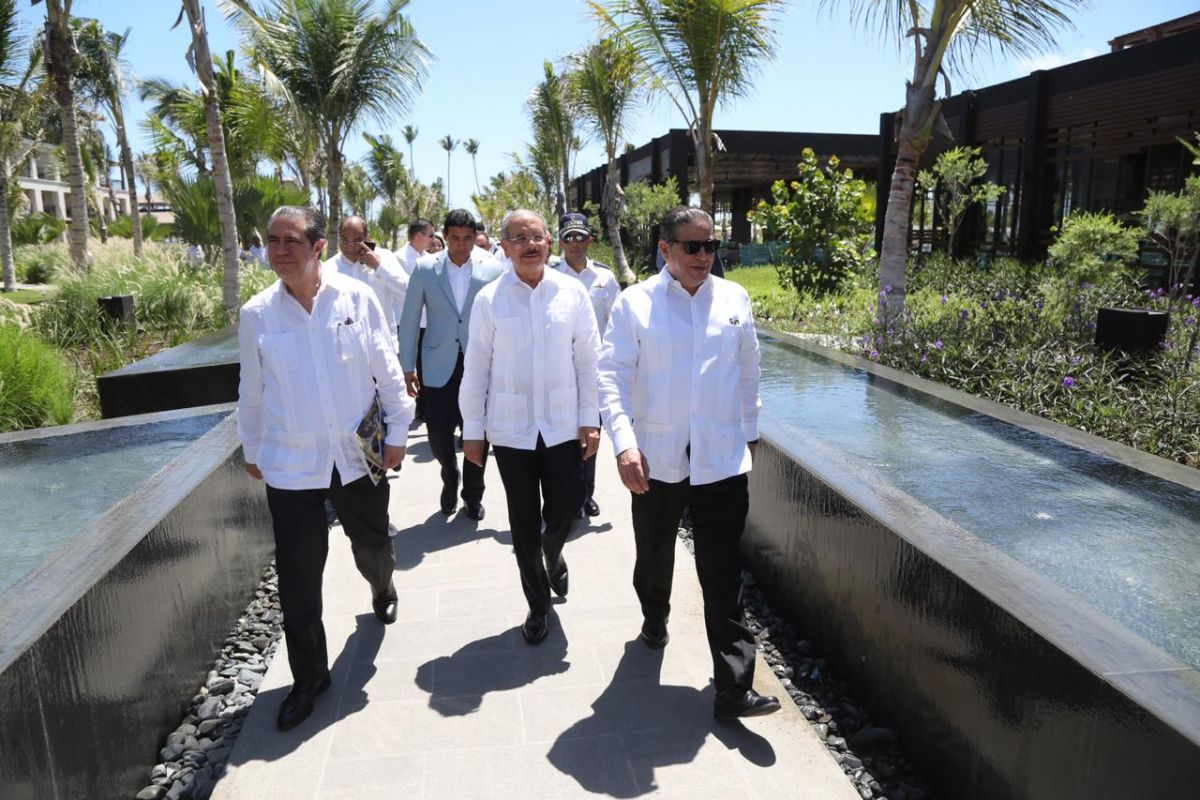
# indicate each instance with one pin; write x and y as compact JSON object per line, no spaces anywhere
{"x":827,"y":75}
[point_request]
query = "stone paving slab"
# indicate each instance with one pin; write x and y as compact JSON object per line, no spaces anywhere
{"x":450,"y":702}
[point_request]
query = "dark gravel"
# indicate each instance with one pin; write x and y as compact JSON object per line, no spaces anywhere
{"x":194,"y":755}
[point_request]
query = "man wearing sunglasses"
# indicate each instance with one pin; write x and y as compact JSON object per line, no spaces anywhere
{"x":679,"y":371}
{"x":574,"y":238}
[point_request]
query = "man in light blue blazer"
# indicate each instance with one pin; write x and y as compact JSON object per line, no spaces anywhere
{"x":444,"y":286}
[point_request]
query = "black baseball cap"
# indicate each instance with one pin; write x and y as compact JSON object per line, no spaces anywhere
{"x":572,"y":223}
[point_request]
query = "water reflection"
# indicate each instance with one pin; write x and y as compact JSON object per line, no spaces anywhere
{"x":1126,"y":542}
{"x":53,"y":487}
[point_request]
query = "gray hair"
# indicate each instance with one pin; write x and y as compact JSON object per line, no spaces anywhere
{"x":522,"y":212}
{"x":679,"y":216}
{"x":314,"y":220}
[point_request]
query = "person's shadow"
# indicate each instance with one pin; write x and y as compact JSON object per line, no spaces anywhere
{"x":660,"y":725}
{"x":457,"y":683}
{"x":261,"y":741}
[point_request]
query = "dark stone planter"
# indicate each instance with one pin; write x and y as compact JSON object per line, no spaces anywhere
{"x":119,"y":308}
{"x":198,"y":373}
{"x":1131,"y":330}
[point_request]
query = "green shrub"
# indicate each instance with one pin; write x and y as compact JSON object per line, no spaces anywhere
{"x":152,"y":230}
{"x":37,"y":384}
{"x":1093,"y":244}
{"x":818,"y":222}
{"x":41,"y":263}
{"x":37,"y":228}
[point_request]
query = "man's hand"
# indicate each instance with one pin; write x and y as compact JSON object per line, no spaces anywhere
{"x":367,"y":257}
{"x":473,"y":451}
{"x":392,"y":455}
{"x":254,"y":471}
{"x":634,"y":470}
{"x":412,"y":384}
{"x":589,"y":441}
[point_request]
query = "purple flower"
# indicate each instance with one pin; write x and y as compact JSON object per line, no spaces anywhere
{"x":887,"y":289}
{"x":1075,"y":359}
{"x":1068,"y":382}
{"x":944,"y":299}
{"x":1039,"y":305}
{"x":938,"y":345}
{"x":965,"y":314}
{"x":1165,"y":344}
{"x":1190,"y":321}
{"x":1196,"y":302}
{"x":925,"y":359}
{"x":874,"y":355}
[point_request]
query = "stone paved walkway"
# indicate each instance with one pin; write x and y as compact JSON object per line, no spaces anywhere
{"x":450,"y":702}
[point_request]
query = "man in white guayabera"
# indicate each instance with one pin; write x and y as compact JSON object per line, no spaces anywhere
{"x":679,"y":373}
{"x":529,"y":387}
{"x":316,"y":353}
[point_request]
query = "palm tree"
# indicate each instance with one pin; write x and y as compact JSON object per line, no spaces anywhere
{"x":360,"y":190}
{"x":21,"y":110}
{"x":944,"y":36}
{"x":700,"y":54}
{"x":410,"y":135}
{"x":338,"y":64}
{"x":472,"y":147}
{"x":386,"y":168}
{"x":604,"y":86}
{"x":553,"y":117}
{"x":201,"y":60}
{"x":60,"y":66}
{"x":448,"y":144}
{"x":106,"y":81}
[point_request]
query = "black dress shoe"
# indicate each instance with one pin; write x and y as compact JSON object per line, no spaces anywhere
{"x":734,"y":703}
{"x":449,"y":501}
{"x":385,"y":606}
{"x":476,"y":512}
{"x":654,"y":634}
{"x":535,"y":628}
{"x":298,"y":705}
{"x":590,"y":508}
{"x":558,"y":576}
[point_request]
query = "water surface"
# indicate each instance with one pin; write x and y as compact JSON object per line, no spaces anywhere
{"x":1126,"y":542}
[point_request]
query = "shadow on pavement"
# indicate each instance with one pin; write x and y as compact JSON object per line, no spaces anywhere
{"x":656,"y":725}
{"x":457,"y":683}
{"x":346,"y":696}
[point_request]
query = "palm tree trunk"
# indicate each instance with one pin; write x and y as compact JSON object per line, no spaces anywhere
{"x":614,"y":202}
{"x":6,"y":251}
{"x":447,"y":177}
{"x":475,"y":169}
{"x":704,"y":163}
{"x":222,"y":181}
{"x":130,"y":179}
{"x":333,"y":163}
{"x":59,"y":63}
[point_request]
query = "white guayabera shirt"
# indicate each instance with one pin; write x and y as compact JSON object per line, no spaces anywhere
{"x":388,"y":280}
{"x":307,"y":379}
{"x":602,"y":288}
{"x":680,"y":371}
{"x":530,"y":365}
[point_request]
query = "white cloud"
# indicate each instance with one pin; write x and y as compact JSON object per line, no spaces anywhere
{"x":1052,"y":60}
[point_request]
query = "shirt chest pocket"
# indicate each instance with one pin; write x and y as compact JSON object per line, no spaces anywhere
{"x":349,"y":340}
{"x":512,"y":334}
{"x":731,"y":341}
{"x":279,"y":353}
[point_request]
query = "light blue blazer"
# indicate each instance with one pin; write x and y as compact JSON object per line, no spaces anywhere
{"x":446,"y":329}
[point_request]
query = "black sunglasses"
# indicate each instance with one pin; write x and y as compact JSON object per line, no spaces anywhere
{"x":692,"y":247}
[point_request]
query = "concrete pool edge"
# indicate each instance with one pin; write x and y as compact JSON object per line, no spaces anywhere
{"x":103,"y":645}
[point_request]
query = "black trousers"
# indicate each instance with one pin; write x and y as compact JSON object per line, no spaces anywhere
{"x":543,"y":485}
{"x":420,"y":400}
{"x":442,"y":416}
{"x":301,"y":546}
{"x":718,"y":519}
{"x":589,"y":474}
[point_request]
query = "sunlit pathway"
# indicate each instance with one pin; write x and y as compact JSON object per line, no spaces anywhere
{"x":450,"y":702}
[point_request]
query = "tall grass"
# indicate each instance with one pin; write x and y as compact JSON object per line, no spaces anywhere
{"x":37,"y":384}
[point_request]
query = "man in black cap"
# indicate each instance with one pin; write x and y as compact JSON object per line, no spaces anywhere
{"x":574,"y":239}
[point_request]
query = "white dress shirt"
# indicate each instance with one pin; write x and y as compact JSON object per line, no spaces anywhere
{"x":678,"y":370}
{"x":389,"y":280}
{"x":411,"y":254}
{"x":307,"y":379}
{"x":602,"y":288}
{"x":530,"y":365}
{"x":460,"y":280}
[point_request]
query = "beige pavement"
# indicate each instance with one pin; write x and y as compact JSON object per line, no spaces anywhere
{"x":450,"y":702}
